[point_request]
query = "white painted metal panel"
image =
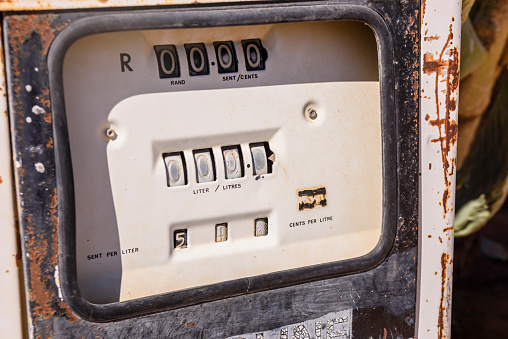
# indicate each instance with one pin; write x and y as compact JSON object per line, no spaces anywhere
{"x":326,"y":153}
{"x":10,"y":284}
{"x":124,"y":204}
{"x":440,"y":45}
{"x":27,"y":5}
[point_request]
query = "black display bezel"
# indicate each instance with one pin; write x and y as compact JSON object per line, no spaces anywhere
{"x":205,"y":17}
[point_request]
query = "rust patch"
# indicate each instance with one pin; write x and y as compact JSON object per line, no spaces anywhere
{"x":49,"y":144}
{"x":413,"y":37}
{"x":21,"y":29}
{"x":446,"y":69}
{"x":43,"y":259}
{"x":40,"y":296}
{"x":423,"y":7}
{"x":431,"y":38}
{"x":311,"y":197}
{"x":446,"y":196}
{"x":442,"y":307}
{"x":189,"y":325}
{"x":1,"y":180}
{"x":54,"y":203}
{"x":70,"y":316}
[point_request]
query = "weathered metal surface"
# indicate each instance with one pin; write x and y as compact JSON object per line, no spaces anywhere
{"x":11,"y":315}
{"x":382,"y":299}
{"x":335,"y":325}
{"x":440,"y":48}
{"x":34,"y":166}
{"x":40,"y":5}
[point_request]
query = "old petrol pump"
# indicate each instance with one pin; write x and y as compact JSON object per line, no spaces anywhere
{"x":229,"y":170}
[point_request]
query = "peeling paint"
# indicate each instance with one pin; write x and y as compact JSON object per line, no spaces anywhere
{"x":39,"y":167}
{"x":57,"y":282}
{"x":38,"y":110}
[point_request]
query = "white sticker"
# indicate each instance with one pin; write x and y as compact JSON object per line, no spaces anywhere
{"x":337,"y":325}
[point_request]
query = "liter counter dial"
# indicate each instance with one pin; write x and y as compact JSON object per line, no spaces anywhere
{"x":175,"y":169}
{"x":232,"y":162}
{"x":205,"y":166}
{"x":205,"y":169}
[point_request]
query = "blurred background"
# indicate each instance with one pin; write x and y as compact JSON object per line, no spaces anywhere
{"x":480,"y":286}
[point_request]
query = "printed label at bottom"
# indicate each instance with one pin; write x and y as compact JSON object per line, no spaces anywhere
{"x":333,"y":325}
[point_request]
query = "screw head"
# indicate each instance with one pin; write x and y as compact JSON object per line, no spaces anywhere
{"x":312,"y":114}
{"x":111,"y":134}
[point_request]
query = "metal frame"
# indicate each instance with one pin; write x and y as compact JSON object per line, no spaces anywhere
{"x":382,"y":299}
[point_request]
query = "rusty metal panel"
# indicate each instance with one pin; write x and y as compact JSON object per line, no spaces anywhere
{"x":440,"y":47}
{"x":381,"y":300}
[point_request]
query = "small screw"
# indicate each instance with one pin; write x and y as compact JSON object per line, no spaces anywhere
{"x":312,"y":113}
{"x":111,"y":134}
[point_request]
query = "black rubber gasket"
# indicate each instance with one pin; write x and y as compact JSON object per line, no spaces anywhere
{"x":204,"y":17}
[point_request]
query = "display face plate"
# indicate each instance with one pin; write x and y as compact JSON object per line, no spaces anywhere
{"x":142,"y":230}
